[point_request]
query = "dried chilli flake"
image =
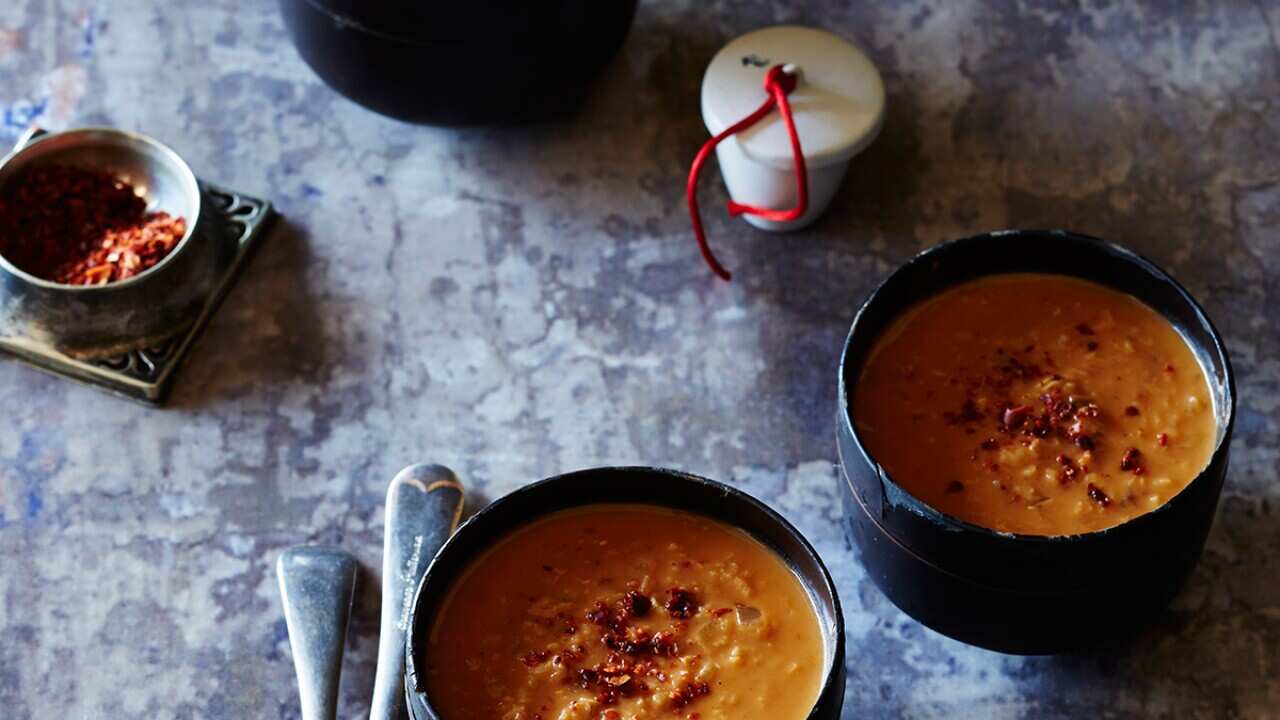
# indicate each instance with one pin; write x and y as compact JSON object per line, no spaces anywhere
{"x":1131,"y":461}
{"x":634,"y":653}
{"x":681,"y":603}
{"x":78,"y":226}
{"x":687,"y":693}
{"x":1097,"y":495}
{"x":636,"y":604}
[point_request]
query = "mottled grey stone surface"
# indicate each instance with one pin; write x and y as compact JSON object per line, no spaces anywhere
{"x":517,"y":303}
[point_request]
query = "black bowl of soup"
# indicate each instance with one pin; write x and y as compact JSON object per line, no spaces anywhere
{"x":1034,"y":429}
{"x":626,"y":592}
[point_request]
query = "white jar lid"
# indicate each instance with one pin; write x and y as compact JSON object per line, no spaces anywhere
{"x":838,"y":103}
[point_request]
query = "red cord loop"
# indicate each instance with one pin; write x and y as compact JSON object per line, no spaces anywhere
{"x":778,"y":83}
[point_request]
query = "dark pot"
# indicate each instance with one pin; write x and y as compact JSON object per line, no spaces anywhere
{"x":626,"y":485}
{"x":458,"y":63}
{"x":143,"y":311}
{"x":1021,"y":593}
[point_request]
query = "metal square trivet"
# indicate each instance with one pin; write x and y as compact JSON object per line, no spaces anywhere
{"x":147,"y":374}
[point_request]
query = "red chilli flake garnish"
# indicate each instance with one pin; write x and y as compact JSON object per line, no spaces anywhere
{"x":665,"y":643}
{"x":1132,"y":411}
{"x":569,"y":656}
{"x":536,"y":658}
{"x":681,"y":603}
{"x":1069,"y":472}
{"x":1084,"y":329}
{"x":721,"y":612}
{"x":77,"y":226}
{"x":607,"y":618}
{"x":1131,"y":461}
{"x":1097,"y":495}
{"x":990,"y":444}
{"x":632,"y":642}
{"x":623,"y":639}
{"x":616,"y":677}
{"x":1163,"y":439}
{"x":687,"y":693}
{"x":636,"y":604}
{"x":955,"y":486}
{"x":1091,"y":346}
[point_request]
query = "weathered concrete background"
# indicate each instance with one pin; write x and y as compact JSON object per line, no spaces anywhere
{"x":521,"y":302}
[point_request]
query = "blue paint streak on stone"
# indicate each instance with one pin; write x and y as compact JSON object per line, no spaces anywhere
{"x":22,"y":115}
{"x":279,"y":639}
{"x":36,"y":469}
{"x":34,"y":503}
{"x":87,"y":34}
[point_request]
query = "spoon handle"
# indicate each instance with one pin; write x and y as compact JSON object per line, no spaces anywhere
{"x":28,"y":136}
{"x":424,"y":503}
{"x":317,"y":585}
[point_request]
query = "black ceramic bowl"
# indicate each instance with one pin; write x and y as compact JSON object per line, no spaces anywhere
{"x":451,"y":63}
{"x":1021,"y":593}
{"x":649,"y":486}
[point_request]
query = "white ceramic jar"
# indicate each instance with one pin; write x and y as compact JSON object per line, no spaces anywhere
{"x":838,"y":106}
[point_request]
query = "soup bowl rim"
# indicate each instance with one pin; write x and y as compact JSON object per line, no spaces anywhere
{"x":482,"y":532}
{"x":945,"y":520}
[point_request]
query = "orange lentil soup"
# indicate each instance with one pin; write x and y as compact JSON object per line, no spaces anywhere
{"x":621,"y":612}
{"x":1036,"y":404}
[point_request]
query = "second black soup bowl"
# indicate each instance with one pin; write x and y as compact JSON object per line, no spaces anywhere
{"x":1014,"y":593}
{"x":648,"y":486}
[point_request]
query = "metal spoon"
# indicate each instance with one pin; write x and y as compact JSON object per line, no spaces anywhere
{"x":317,"y":585}
{"x":424,"y":504}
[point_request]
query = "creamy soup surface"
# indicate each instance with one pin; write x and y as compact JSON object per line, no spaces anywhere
{"x":623,"y":612}
{"x":1036,"y":404}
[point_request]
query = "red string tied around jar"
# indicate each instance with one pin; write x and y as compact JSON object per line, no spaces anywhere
{"x":779,"y":82}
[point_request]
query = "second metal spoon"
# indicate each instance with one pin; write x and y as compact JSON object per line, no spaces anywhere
{"x":424,"y":504}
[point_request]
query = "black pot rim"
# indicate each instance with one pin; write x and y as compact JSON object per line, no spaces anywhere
{"x":951,"y":522}
{"x":475,"y":525}
{"x":344,"y":20}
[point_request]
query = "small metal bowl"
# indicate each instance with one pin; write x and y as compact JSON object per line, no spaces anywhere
{"x":144,"y":311}
{"x":641,"y":485}
{"x":1028,"y":594}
